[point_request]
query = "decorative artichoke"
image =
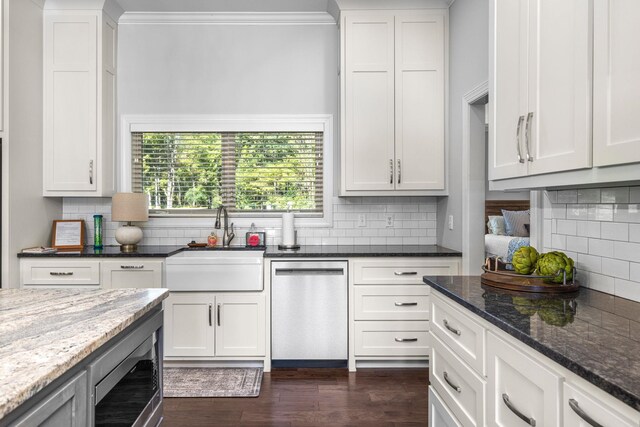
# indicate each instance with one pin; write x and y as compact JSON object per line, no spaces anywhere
{"x":554,"y":264}
{"x":554,"y":313}
{"x":525,"y":260}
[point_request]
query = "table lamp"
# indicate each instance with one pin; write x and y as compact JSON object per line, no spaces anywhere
{"x":128,"y":207}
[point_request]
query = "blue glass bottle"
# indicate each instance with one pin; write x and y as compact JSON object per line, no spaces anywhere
{"x":97,"y":232}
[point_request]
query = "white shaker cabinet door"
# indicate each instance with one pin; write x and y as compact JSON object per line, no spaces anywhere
{"x":419,"y":101}
{"x":240,"y":325}
{"x":507,"y":87}
{"x":616,"y":86}
{"x":558,"y":122}
{"x":520,"y":391}
{"x":369,"y":102}
{"x":188,"y":324}
{"x":70,"y":98}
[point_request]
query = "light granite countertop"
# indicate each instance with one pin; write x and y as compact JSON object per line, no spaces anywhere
{"x":44,"y":333}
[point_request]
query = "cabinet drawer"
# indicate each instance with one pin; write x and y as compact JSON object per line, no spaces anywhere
{"x":519,"y":387}
{"x":60,"y":272}
{"x":439,"y":414}
{"x":457,"y":330}
{"x":462,"y":390}
{"x":392,"y":338}
{"x":391,"y":302}
{"x":580,"y":405}
{"x":132,"y":273}
{"x":402,"y":271}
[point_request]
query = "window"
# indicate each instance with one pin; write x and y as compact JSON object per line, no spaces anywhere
{"x":248,"y":172}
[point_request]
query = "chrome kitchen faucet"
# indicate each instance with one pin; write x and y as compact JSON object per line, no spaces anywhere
{"x":227,"y":236}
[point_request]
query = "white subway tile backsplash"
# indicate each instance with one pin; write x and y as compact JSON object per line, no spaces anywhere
{"x":614,"y":195}
{"x":615,"y":268}
{"x":577,"y":211}
{"x":627,"y":251}
{"x":589,"y":263}
{"x":634,"y":195}
{"x":600,"y":283}
{"x":577,"y":244}
{"x":588,"y":229}
{"x":558,"y":241}
{"x":552,"y":196}
{"x":601,"y":247}
{"x":634,"y":232}
{"x":634,"y":271}
{"x":627,"y":289}
{"x":567,"y":196}
{"x":568,"y":227}
{"x":589,"y":195}
{"x":603,"y":212}
{"x":415,"y":216}
{"x":615,"y":231}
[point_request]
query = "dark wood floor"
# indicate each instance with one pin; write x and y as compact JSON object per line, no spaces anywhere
{"x":314,"y":397}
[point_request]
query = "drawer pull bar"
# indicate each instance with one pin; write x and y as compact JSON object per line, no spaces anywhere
{"x":61,"y":273}
{"x":210,"y":323}
{"x":452,"y":385}
{"x":405,"y":304}
{"x":454,"y":330}
{"x":576,"y":408}
{"x":405,"y":273}
{"x":132,"y":267}
{"x":530,"y":421}
{"x":406,"y":339}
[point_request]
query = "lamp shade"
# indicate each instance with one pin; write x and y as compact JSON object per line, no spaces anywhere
{"x":129,"y":207}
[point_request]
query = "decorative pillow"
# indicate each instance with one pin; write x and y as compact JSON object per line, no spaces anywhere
{"x":496,"y":225}
{"x":514,"y":222}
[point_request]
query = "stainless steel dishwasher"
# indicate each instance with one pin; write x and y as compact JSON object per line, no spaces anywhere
{"x":309,"y":314}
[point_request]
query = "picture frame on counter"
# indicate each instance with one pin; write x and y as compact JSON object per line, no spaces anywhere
{"x":68,"y":234}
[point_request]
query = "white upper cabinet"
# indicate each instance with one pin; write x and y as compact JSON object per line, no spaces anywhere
{"x":79,"y":103}
{"x":616,"y":86}
{"x":540,"y":80}
{"x":393,"y":99}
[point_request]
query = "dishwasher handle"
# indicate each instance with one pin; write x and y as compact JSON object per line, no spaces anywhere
{"x":309,"y":271}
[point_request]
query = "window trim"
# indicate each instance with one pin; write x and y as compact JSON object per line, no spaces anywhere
{"x":237,"y":123}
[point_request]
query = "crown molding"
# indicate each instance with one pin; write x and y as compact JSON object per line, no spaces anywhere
{"x":228,"y":18}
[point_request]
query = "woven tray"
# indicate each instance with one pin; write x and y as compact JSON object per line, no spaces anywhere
{"x":495,"y":275}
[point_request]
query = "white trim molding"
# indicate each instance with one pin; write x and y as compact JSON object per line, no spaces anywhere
{"x":218,"y":123}
{"x":474,"y":95}
{"x":229,"y":18}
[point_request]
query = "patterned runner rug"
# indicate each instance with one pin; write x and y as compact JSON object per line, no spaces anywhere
{"x":212,"y":382}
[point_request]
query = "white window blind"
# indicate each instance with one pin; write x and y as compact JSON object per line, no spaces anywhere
{"x":192,"y":172}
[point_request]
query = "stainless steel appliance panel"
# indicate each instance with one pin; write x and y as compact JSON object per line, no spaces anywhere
{"x":309,"y":310}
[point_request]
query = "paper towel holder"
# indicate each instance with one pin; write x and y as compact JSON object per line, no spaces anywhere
{"x":293,"y":247}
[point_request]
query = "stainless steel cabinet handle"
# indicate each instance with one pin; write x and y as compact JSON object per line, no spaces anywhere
{"x":528,"y":420}
{"x":90,"y":171}
{"x":405,"y":304}
{"x":576,"y":408}
{"x":61,"y":273}
{"x":449,"y":327}
{"x":405,"y":273}
{"x":527,"y":135}
{"x":520,"y":120}
{"x":399,"y":173}
{"x":390,"y":171}
{"x":210,"y":323}
{"x":406,"y":339}
{"x":452,"y":385}
{"x":132,"y":267}
{"x":218,"y":314}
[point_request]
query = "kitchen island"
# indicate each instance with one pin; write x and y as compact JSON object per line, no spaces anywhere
{"x":580,"y":352}
{"x":48,"y":337}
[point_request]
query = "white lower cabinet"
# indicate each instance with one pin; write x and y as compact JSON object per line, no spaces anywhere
{"x":240,"y":325}
{"x":131,"y":273}
{"x":439,"y":414}
{"x":461,"y":388}
{"x":408,"y":338}
{"x":205,"y":325}
{"x":581,"y":408}
{"x":521,"y":391}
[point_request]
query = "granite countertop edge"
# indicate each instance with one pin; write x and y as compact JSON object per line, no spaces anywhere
{"x":12,"y":401}
{"x":311,"y":251}
{"x":585,"y":373}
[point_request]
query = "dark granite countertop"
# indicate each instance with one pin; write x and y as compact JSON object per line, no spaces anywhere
{"x":269,"y":251}
{"x":593,"y":334}
{"x":344,"y":251}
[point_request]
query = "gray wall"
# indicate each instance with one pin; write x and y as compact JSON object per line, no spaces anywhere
{"x":27,"y":212}
{"x":468,"y":67}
